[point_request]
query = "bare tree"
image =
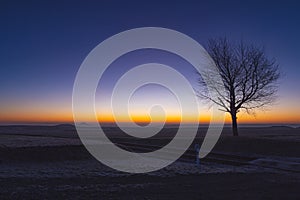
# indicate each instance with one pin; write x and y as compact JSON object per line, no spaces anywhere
{"x":249,"y":77}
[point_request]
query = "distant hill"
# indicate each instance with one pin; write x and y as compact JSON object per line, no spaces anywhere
{"x":281,"y":127}
{"x":65,"y":126}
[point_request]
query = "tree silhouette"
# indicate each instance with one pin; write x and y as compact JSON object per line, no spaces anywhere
{"x":249,"y":77}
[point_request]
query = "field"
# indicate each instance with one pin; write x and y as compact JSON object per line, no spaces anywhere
{"x":42,"y":162}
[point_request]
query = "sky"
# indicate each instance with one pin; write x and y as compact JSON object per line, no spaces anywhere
{"x":43,"y":44}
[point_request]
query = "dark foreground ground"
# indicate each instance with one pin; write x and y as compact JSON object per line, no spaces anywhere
{"x":205,"y":186}
{"x":50,"y":163}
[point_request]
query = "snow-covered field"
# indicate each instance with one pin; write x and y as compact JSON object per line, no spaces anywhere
{"x":51,"y":163}
{"x":93,"y":168}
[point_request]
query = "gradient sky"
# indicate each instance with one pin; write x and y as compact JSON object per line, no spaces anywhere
{"x":44,"y":43}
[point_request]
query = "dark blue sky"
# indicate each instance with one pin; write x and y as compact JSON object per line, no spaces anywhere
{"x":42,"y":44}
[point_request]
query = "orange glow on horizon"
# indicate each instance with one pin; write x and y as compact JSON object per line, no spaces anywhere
{"x":66,"y":117}
{"x":62,"y":113}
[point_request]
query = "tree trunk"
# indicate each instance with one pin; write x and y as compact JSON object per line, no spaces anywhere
{"x":234,"y":124}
